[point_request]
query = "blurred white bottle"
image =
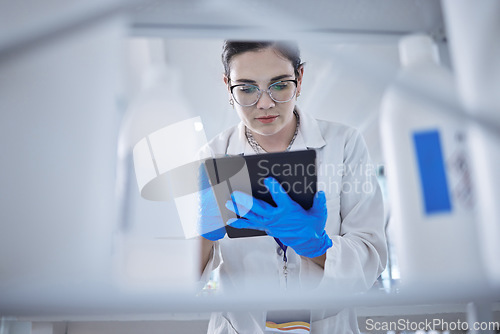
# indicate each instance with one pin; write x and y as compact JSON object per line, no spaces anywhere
{"x":428,"y":174}
{"x":475,"y":50}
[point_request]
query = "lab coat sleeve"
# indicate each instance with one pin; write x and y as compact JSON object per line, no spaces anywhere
{"x":215,"y":255}
{"x":213,"y":262}
{"x":359,"y":251}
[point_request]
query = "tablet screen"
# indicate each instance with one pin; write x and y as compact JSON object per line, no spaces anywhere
{"x":295,"y":171}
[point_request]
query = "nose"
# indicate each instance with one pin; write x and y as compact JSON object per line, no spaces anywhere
{"x":265,"y":101}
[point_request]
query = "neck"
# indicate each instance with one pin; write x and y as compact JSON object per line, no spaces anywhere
{"x":279,"y":141}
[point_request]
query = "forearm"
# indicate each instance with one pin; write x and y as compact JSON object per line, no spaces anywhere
{"x":206,"y":248}
{"x":356,"y":261}
{"x":319,"y":260}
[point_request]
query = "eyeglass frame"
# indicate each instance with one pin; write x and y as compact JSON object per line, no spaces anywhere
{"x":261,"y":91}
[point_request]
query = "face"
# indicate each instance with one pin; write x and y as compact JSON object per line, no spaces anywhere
{"x":263,"y":68}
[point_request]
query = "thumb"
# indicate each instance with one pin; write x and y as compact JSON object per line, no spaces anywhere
{"x":277,"y":192}
{"x":319,"y":203}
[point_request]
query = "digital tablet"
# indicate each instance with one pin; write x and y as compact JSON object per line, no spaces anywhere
{"x":295,"y":171}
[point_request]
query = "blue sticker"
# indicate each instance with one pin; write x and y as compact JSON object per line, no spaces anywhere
{"x":432,"y":172}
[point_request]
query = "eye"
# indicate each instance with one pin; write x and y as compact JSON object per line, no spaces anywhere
{"x":279,"y":86}
{"x":247,"y":89}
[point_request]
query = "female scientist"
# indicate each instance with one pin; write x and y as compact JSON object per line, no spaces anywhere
{"x":339,"y":241}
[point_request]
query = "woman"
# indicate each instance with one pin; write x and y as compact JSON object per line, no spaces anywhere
{"x":339,"y":241}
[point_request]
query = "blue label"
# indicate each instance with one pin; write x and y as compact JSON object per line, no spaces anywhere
{"x":432,"y":172}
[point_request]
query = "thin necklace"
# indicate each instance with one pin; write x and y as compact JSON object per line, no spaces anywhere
{"x":256,"y":146}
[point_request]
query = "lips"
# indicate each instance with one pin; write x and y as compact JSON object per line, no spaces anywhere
{"x":267,"y":119}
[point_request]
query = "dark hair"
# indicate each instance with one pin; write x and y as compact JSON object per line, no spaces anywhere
{"x":287,"y":49}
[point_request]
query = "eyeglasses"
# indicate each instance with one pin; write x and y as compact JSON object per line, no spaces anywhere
{"x":247,"y":95}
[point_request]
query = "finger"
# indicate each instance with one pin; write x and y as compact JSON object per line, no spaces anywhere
{"x":245,"y":203}
{"x":209,"y":222}
{"x":239,"y":203}
{"x":319,"y":203}
{"x":246,"y":223}
{"x":246,"y":215}
{"x":279,"y":194}
{"x":232,"y":220}
{"x":215,"y":234}
{"x":203,"y":177}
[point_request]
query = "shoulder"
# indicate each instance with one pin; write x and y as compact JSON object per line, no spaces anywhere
{"x":337,"y":132}
{"x":335,"y":128}
{"x":224,"y":136}
{"x":346,"y":140}
{"x":218,"y":145}
{"x":320,"y":133}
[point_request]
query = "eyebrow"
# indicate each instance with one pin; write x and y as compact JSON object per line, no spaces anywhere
{"x":277,"y":78}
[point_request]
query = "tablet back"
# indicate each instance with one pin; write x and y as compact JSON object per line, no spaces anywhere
{"x":295,"y":171}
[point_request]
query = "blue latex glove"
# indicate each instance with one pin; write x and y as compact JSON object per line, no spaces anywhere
{"x":303,"y":230}
{"x":210,"y":223}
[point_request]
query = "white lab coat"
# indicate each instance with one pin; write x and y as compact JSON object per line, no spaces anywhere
{"x":355,"y":224}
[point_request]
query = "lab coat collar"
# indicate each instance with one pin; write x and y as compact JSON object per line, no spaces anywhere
{"x":310,"y":131}
{"x":240,"y":145}
{"x":309,"y":136}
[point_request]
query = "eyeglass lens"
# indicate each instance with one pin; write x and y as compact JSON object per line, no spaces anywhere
{"x":247,"y":95}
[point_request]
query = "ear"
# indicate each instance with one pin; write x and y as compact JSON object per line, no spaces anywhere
{"x":299,"y":78}
{"x":226,"y":81}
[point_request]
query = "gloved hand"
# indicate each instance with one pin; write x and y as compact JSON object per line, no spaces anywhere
{"x":303,"y":230}
{"x":210,"y":223}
